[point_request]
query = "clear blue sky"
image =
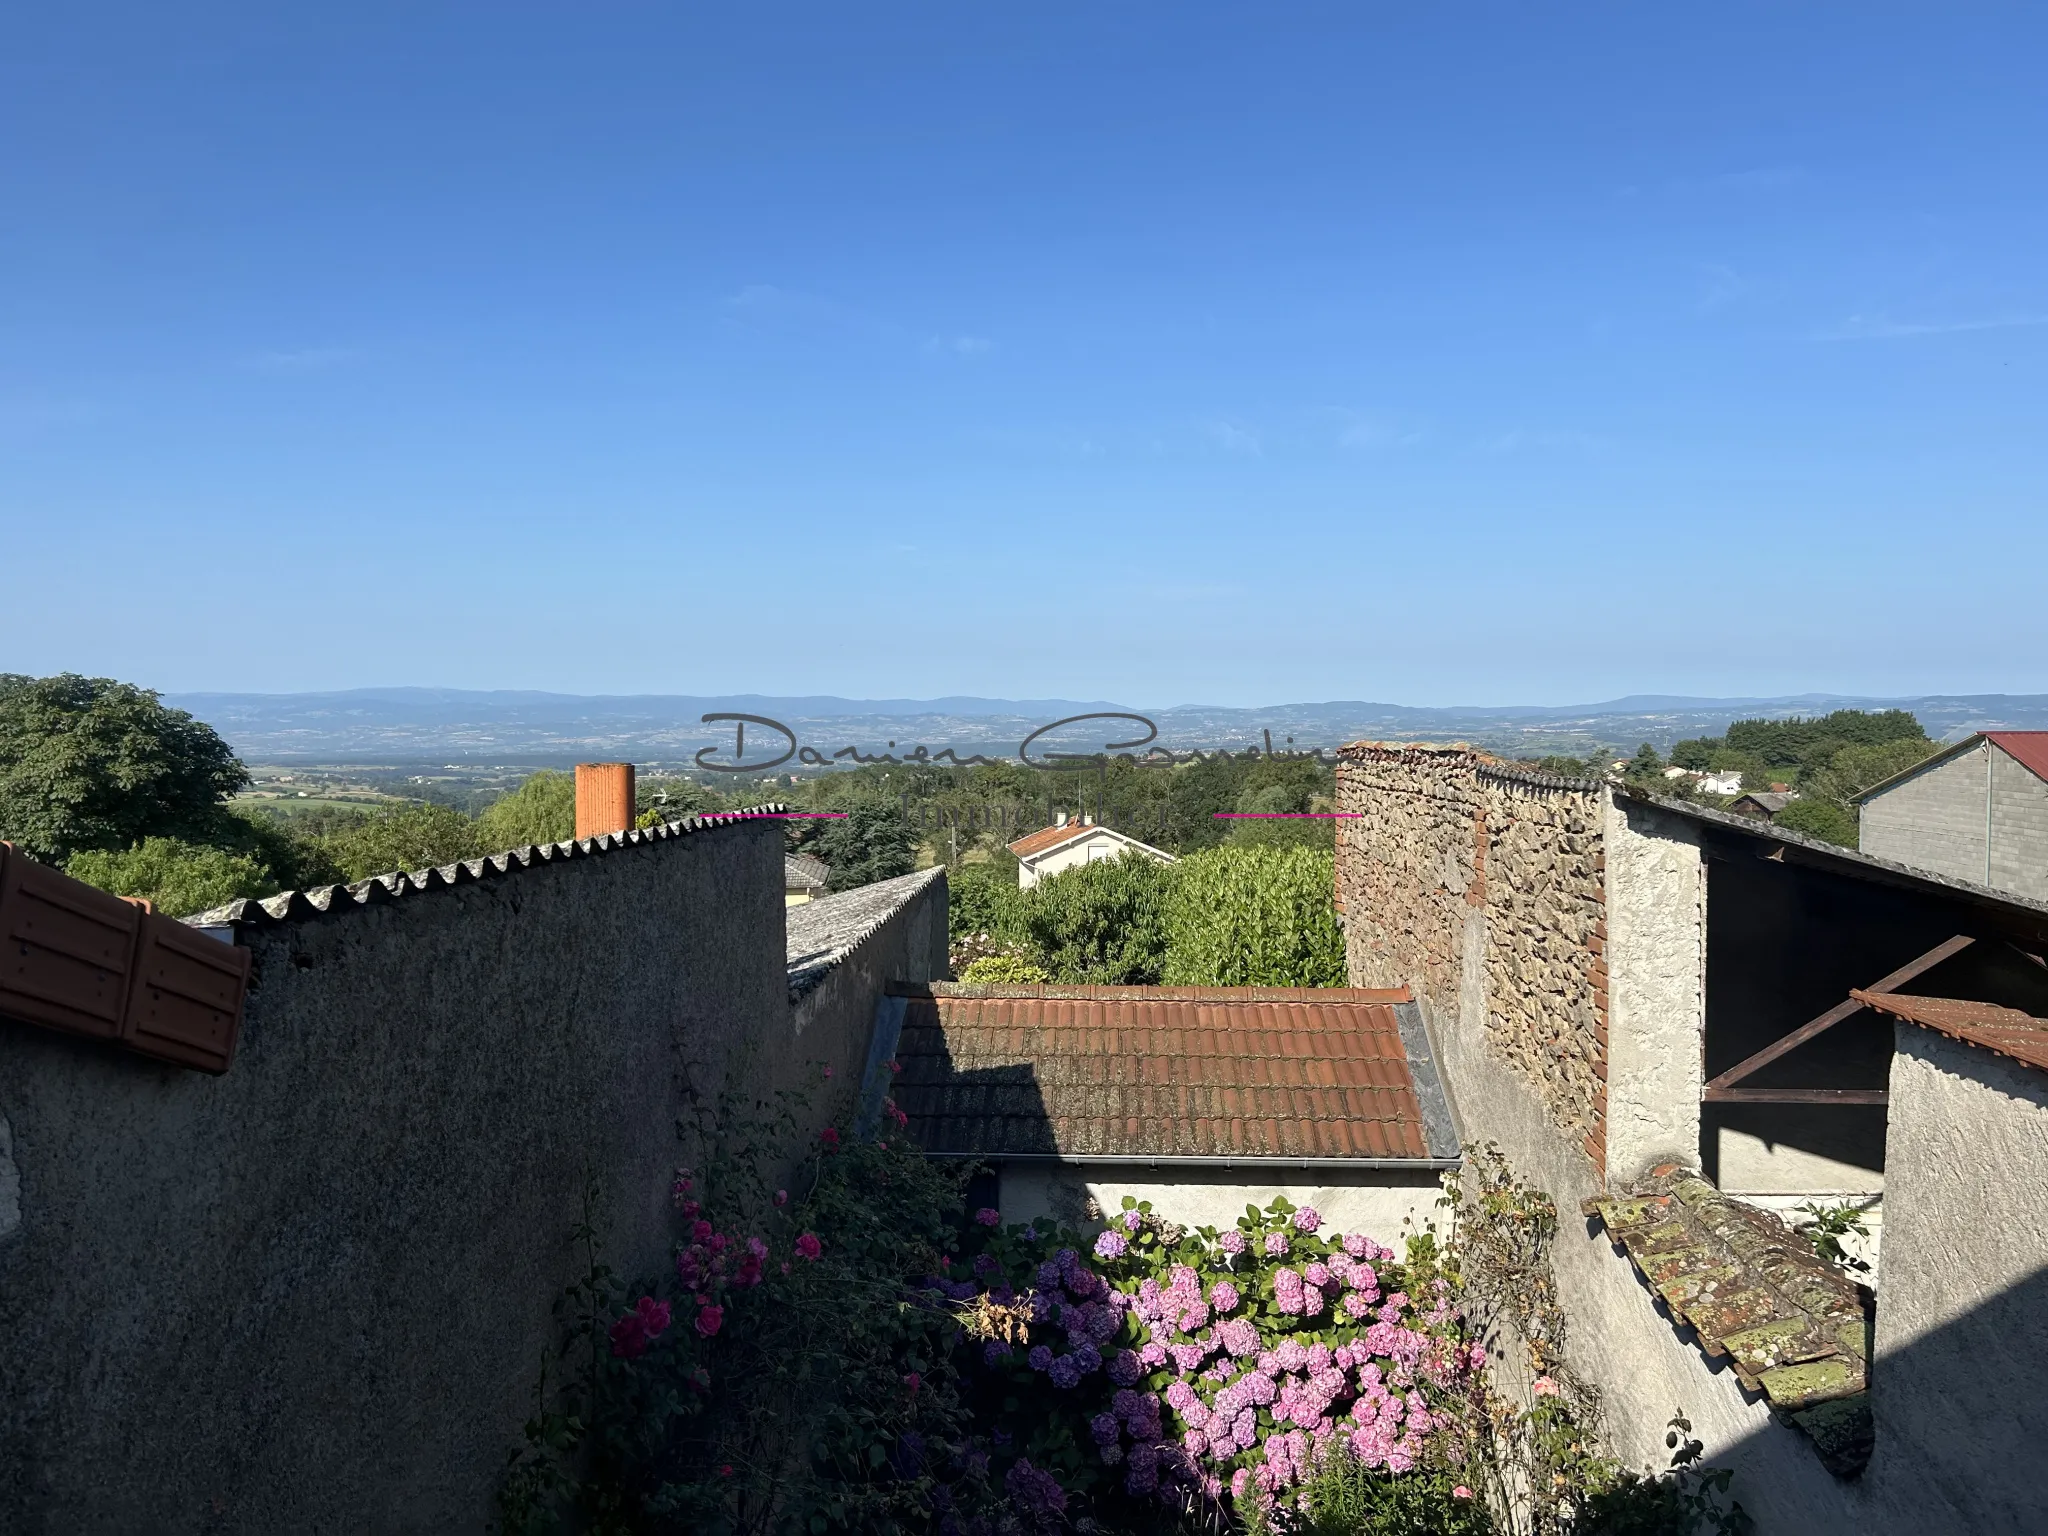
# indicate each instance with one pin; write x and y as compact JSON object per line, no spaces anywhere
{"x":1162,"y":352}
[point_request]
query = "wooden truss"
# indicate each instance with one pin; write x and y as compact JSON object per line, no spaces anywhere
{"x":1722,"y":1090}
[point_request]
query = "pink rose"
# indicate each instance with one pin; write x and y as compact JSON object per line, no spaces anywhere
{"x":808,"y":1246}
{"x":710,"y":1318}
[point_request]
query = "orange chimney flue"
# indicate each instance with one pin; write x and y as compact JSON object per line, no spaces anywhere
{"x":604,"y":798}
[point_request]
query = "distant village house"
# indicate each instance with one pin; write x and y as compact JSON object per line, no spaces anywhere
{"x":1070,"y":843}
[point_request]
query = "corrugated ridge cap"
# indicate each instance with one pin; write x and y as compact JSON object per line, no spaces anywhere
{"x":327,"y":900}
{"x":824,"y":931}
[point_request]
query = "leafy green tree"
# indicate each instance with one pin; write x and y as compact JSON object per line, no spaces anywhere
{"x":541,"y":810}
{"x":1646,"y":764}
{"x":1856,"y":767}
{"x":416,"y":836}
{"x":1255,"y":917}
{"x":87,"y":762}
{"x":1819,"y":818}
{"x":178,"y":877}
{"x":1102,"y":924}
{"x":983,"y":898}
{"x":873,"y":842}
{"x":1271,"y":798}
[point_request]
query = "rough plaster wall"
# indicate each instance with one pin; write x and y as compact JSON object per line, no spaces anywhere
{"x":1962,"y":1328}
{"x":313,"y":1294}
{"x":1656,"y":956}
{"x":831,"y":1024}
{"x":1376,"y":1204}
{"x":1752,"y":1164}
{"x":1932,"y":821}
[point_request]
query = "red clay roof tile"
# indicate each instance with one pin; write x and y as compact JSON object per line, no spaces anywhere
{"x":1159,"y":1072}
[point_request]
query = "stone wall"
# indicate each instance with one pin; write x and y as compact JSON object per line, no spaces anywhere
{"x":1445,"y":846}
{"x":314,"y":1294}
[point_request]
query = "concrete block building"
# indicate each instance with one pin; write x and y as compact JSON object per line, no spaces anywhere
{"x":1977,"y":811}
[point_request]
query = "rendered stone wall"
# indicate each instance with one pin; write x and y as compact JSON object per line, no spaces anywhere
{"x":314,"y":1294}
{"x":1444,"y":844}
{"x":1384,"y":1205}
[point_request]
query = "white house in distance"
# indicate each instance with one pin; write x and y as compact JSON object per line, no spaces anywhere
{"x":1069,"y":843}
{"x":1975,"y":811}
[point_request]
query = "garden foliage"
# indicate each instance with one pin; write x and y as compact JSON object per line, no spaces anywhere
{"x":1255,"y":916}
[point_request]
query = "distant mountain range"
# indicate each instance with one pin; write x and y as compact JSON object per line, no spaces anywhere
{"x":472,"y":728}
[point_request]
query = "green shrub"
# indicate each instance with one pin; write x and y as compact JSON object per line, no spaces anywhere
{"x":541,"y":810}
{"x":1101,"y":924}
{"x":1255,"y":917}
{"x":178,"y":877}
{"x":1003,"y":971}
{"x":984,"y":898}
{"x":1819,"y":818}
{"x":873,"y":842}
{"x":420,"y":836}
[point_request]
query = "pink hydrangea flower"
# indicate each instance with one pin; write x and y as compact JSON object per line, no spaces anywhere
{"x":1543,"y":1386}
{"x":1276,"y":1244}
{"x":1307,"y":1219}
{"x":988,"y":1216}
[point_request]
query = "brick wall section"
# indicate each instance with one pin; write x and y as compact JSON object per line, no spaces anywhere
{"x":1439,"y":835}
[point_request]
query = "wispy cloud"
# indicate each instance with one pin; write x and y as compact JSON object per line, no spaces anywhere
{"x":1538,"y":440}
{"x":1884,"y":328}
{"x":302,"y":359}
{"x":1720,"y":286}
{"x":1374,"y":429}
{"x":1232,"y":438}
{"x":958,"y":346}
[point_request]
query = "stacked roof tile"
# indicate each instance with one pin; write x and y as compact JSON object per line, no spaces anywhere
{"x":2007,"y":1031}
{"x":1789,"y":1324}
{"x":1209,"y":1074}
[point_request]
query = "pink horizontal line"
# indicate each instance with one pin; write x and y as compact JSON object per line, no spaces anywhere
{"x":772,"y":815}
{"x":1282,"y":815}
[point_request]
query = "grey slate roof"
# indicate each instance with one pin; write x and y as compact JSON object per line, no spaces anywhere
{"x":801,"y":872}
{"x":823,"y":932}
{"x":297,"y":906}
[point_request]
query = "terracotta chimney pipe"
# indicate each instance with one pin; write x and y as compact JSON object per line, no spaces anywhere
{"x":604,"y":798}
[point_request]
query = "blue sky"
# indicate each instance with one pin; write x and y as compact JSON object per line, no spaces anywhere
{"x":1168,"y":353}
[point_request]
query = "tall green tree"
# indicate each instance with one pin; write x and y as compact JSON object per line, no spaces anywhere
{"x":541,"y":810}
{"x":177,"y":877}
{"x":409,"y":837}
{"x":88,"y":762}
{"x":873,"y":842}
{"x":1101,"y":924}
{"x":1255,"y":917}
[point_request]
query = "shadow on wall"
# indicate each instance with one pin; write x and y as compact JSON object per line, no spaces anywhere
{"x":1959,"y":1418}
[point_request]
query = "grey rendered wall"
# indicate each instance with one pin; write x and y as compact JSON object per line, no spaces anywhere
{"x":314,"y":1294}
{"x":1933,"y":820}
{"x":1962,"y":1321}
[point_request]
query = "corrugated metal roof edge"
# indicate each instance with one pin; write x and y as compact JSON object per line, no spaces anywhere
{"x":1865,"y":866}
{"x":377,"y":890}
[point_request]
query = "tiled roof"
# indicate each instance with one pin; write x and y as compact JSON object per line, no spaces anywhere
{"x":2030,"y":748}
{"x":824,"y":931}
{"x":1199,"y":1074}
{"x":1051,"y":837}
{"x":1789,"y":1324}
{"x":2007,"y":1031}
{"x":1771,"y":800}
{"x":801,"y":872}
{"x":326,"y":900}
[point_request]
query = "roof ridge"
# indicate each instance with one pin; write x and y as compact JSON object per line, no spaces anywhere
{"x":375,"y":890}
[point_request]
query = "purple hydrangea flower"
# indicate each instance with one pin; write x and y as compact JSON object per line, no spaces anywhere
{"x":1133,"y":1220}
{"x":1111,"y":1245}
{"x":1104,"y":1428}
{"x":1040,"y":1358}
{"x":1124,"y":1368}
{"x":1065,"y":1373}
{"x":993,"y":1351}
{"x":1088,"y":1358}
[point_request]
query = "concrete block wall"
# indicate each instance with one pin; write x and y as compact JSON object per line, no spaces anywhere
{"x":314,"y":1294}
{"x":1933,"y":820}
